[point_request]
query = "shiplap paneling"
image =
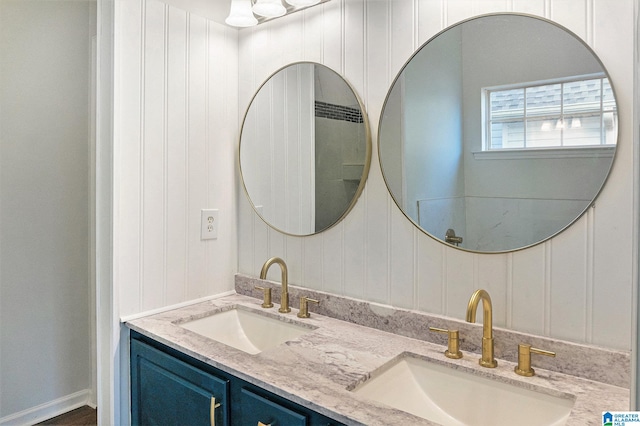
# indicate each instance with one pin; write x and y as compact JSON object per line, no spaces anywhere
{"x":175,"y":184}
{"x":152,"y":167}
{"x":612,"y":283}
{"x":527,"y":301}
{"x":197,"y":150}
{"x":533,"y":7}
{"x":127,"y":203}
{"x":355,"y":250}
{"x":576,"y":286}
{"x":176,"y":129}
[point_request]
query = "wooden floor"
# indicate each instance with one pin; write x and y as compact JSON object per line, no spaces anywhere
{"x":83,"y":416}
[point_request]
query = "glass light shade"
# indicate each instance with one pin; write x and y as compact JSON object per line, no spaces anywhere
{"x":302,"y":3}
{"x":269,"y":8}
{"x":240,"y":14}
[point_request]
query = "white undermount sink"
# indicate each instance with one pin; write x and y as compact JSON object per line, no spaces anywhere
{"x":247,"y":330}
{"x":453,"y":397}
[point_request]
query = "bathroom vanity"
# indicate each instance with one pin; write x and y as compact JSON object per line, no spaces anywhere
{"x":162,"y":376}
{"x":327,"y":372}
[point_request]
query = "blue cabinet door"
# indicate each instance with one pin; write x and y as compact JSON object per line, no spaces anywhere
{"x":257,"y":410}
{"x":167,"y":391}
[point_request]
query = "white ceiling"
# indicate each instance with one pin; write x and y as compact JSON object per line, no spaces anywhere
{"x":216,"y":10}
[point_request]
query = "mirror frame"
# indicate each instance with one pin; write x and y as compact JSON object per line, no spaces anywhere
{"x":591,"y":204}
{"x":367,"y":160}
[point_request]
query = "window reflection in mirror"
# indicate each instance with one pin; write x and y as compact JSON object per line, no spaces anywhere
{"x":501,"y":128}
{"x":575,"y":112}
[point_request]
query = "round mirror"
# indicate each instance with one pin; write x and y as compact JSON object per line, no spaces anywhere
{"x":498,"y":133}
{"x":305,"y":149}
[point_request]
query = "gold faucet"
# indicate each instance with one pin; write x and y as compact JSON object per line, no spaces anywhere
{"x":487,"y":359}
{"x":284,"y":297}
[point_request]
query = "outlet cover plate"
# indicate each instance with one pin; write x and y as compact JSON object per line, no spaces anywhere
{"x":209,"y":219}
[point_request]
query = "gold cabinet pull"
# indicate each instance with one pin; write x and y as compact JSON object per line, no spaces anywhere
{"x":214,"y":405}
{"x":524,"y":359}
{"x":266,"y":301}
{"x":453,"y":343}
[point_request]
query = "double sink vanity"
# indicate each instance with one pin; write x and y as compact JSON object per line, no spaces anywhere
{"x":277,"y":368}
{"x":241,"y":360}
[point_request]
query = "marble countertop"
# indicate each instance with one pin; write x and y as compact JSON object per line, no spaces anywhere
{"x":317,"y":369}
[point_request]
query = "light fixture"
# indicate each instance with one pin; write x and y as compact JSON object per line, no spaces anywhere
{"x":240,"y":14}
{"x":269,"y":8}
{"x":302,"y":3}
{"x":247,"y":13}
{"x":559,"y":124}
{"x":546,"y":126}
{"x":576,"y":123}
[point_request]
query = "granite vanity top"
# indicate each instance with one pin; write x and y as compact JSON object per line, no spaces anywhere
{"x":318,"y":369}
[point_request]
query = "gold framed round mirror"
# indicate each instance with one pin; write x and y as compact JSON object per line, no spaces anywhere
{"x":305,"y":149}
{"x":498,"y":133}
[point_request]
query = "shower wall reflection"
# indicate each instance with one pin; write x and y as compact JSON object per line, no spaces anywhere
{"x":340,"y":146}
{"x":304,"y":150}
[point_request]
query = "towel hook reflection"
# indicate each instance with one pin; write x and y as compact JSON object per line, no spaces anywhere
{"x":451,"y":238}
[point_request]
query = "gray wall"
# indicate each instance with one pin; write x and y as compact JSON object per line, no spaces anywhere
{"x":433,"y":186}
{"x":45,"y":333}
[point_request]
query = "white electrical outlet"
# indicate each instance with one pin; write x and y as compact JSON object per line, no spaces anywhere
{"x":208,"y":224}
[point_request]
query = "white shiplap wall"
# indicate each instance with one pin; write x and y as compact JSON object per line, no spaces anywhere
{"x":176,"y":129}
{"x":577,"y":286}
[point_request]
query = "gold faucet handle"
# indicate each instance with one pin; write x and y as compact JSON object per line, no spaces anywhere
{"x":524,"y":359}
{"x":453,"y":343}
{"x":304,"y":306}
{"x":266,"y":302}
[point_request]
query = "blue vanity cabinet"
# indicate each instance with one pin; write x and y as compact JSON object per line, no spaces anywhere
{"x":168,"y":391}
{"x":259,"y":410}
{"x":169,"y":387}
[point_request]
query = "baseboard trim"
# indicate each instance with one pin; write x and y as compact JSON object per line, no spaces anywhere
{"x":48,"y":410}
